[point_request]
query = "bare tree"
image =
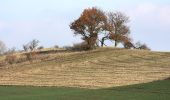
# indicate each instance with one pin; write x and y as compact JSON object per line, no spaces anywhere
{"x":33,"y":44}
{"x":26,"y":47}
{"x":117,"y":26}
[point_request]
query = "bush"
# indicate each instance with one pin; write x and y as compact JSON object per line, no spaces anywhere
{"x":31,"y":56}
{"x":139,"y":45}
{"x":56,"y":46}
{"x":40,"y":48}
{"x":67,"y":47}
{"x":144,"y":47}
{"x":2,"y":63}
{"x":81,"y":46}
{"x":11,"y":59}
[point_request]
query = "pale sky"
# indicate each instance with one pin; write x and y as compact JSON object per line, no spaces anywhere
{"x":48,"y":20}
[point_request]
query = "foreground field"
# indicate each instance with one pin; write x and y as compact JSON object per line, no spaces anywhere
{"x":101,"y":68}
{"x":159,"y":90}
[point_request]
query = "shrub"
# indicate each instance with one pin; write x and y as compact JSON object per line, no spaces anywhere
{"x":31,"y":55}
{"x":11,"y":59}
{"x":144,"y":47}
{"x":67,"y":47}
{"x":81,"y":46}
{"x":78,"y":47}
{"x":3,"y":63}
{"x":139,"y":45}
{"x":40,"y":48}
{"x":56,"y":46}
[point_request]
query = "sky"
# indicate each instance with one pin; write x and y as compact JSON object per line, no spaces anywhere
{"x":48,"y":21}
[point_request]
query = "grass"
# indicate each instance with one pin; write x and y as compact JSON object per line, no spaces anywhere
{"x":100,"y":68}
{"x":91,"y":75}
{"x":159,"y":90}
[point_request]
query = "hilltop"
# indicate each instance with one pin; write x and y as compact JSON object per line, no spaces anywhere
{"x":100,"y":68}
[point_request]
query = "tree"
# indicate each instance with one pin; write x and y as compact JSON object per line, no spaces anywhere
{"x":26,"y":47}
{"x":2,"y":48}
{"x":33,"y":44}
{"x":89,"y":25}
{"x":117,"y":27}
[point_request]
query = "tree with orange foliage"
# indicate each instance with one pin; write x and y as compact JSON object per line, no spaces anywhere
{"x":89,"y":25}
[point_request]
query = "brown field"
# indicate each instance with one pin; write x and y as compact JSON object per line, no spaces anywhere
{"x":100,"y":68}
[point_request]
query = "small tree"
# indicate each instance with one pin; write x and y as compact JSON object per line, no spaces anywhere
{"x":26,"y":47}
{"x":33,"y":44}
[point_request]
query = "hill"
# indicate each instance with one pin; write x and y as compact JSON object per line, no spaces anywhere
{"x":158,"y":90}
{"x":100,"y":68}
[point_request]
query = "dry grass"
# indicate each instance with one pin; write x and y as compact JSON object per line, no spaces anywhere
{"x":101,"y":68}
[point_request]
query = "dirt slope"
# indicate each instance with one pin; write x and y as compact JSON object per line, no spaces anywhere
{"x":101,"y":68}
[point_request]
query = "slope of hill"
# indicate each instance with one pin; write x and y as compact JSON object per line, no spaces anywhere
{"x":158,"y":90}
{"x":101,"y":68}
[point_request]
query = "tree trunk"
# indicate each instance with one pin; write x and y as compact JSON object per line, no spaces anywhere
{"x":116,"y":43}
{"x":91,"y":41}
{"x":102,"y":41}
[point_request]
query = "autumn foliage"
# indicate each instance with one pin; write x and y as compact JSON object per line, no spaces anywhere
{"x":91,"y":22}
{"x":94,"y":21}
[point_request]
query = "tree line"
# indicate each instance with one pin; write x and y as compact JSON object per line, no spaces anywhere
{"x":112,"y":25}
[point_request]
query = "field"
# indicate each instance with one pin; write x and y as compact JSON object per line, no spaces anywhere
{"x":101,"y":68}
{"x":101,"y":74}
{"x":159,"y":90}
